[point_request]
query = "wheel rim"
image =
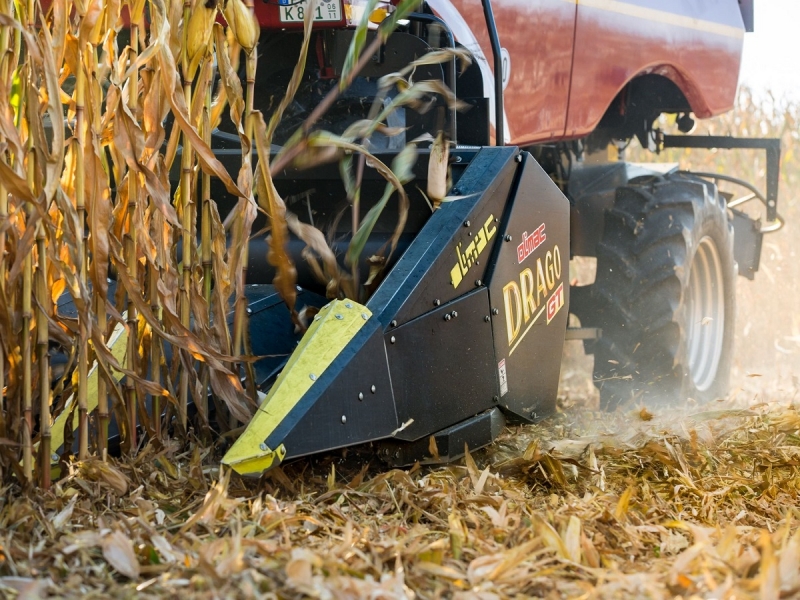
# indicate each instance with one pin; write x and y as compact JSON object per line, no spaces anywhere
{"x":706,"y":312}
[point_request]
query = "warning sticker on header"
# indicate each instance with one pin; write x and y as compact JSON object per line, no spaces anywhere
{"x":501,"y":369}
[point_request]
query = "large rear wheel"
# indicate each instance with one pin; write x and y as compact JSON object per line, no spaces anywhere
{"x":665,"y":293}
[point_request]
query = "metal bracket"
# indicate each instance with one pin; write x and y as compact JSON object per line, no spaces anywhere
{"x":447,"y":444}
{"x":724,"y":142}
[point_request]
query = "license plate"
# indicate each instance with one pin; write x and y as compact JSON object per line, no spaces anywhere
{"x":293,"y":11}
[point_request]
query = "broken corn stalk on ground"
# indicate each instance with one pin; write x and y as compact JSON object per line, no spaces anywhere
{"x":586,"y":505}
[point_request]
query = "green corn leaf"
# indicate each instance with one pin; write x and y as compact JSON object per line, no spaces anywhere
{"x":405,"y":8}
{"x":346,"y":171}
{"x":357,"y":45}
{"x":15,"y":97}
{"x":402,"y":167}
{"x":359,"y":240}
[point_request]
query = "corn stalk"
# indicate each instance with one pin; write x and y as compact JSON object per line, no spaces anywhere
{"x":244,"y":27}
{"x":27,"y":368}
{"x":27,"y":268}
{"x":155,"y":351}
{"x":131,"y":250}
{"x":3,"y":298}
{"x":186,"y":205}
{"x":4,"y":39}
{"x":80,"y":204}
{"x":43,"y":342}
{"x":240,"y":320}
{"x":205,"y":246}
{"x":27,"y":321}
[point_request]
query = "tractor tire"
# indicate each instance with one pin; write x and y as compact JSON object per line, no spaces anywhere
{"x":664,"y":294}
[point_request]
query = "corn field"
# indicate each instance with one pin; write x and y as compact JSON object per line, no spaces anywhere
{"x":131,"y":273}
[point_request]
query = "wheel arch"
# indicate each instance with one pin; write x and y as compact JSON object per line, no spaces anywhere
{"x":642,"y":98}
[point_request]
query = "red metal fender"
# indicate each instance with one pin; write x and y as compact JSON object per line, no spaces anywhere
{"x":567,"y":60}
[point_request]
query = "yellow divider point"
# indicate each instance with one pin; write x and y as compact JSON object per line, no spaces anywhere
{"x":333,"y":328}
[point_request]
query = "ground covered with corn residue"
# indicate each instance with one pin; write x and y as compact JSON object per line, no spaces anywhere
{"x":696,"y":502}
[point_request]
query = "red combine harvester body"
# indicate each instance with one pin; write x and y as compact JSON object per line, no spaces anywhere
{"x":565,"y":63}
{"x":570,"y":60}
{"x":467,"y":325}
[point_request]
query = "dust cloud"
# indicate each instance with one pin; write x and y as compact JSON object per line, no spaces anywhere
{"x":766,"y":362}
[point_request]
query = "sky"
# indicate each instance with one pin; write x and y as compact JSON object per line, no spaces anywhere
{"x":770,"y":60}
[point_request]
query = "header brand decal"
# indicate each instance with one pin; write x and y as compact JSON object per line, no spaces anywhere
{"x":530,"y":243}
{"x":525,"y":300}
{"x":555,"y":303}
{"x":469,"y":256}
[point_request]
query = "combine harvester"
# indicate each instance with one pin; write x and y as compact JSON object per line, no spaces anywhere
{"x":465,"y":331}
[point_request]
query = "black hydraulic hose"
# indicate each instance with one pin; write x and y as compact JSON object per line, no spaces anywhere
{"x":499,"y":112}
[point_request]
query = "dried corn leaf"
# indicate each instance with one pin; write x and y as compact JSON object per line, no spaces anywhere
{"x":118,"y":552}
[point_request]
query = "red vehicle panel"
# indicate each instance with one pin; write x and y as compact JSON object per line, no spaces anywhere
{"x":538,"y":35}
{"x":695,"y":44}
{"x":575,"y":57}
{"x":566,"y":60}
